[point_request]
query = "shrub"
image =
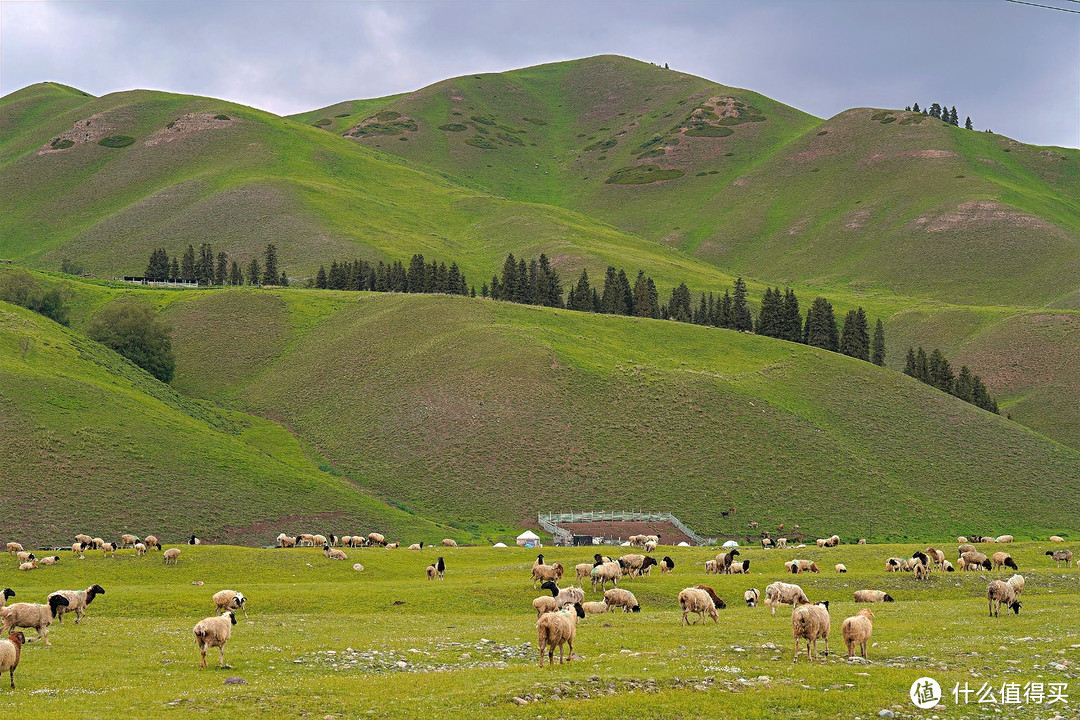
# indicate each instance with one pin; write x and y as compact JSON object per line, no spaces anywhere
{"x":116,"y":141}
{"x":535,"y":121}
{"x":481,"y":142}
{"x":512,"y":139}
{"x":387,"y":116}
{"x":19,"y":287}
{"x":482,"y":119}
{"x":823,"y":132}
{"x":342,"y":115}
{"x":453,"y":127}
{"x":601,"y":145}
{"x":62,"y":144}
{"x":322,"y":122}
{"x":709,"y":131}
{"x":880,"y":115}
{"x":130,"y":327}
{"x":642,"y":174}
{"x":888,"y":120}
{"x":222,"y":117}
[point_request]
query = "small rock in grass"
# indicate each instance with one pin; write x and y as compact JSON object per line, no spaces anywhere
{"x":520,"y":700}
{"x":886,"y":713}
{"x":357,"y":567}
{"x":196,"y":582}
{"x":235,"y":681}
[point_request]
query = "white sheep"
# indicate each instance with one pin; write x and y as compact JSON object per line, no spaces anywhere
{"x":284,"y":541}
{"x":31,"y":615}
{"x":1016,"y":582}
{"x":811,"y":623}
{"x":171,"y":556}
{"x":751,"y":597}
{"x":544,"y":604}
{"x":619,"y":598}
{"x":546,"y":573}
{"x":998,"y":594}
{"x":230,"y":600}
{"x":1004,"y":538}
{"x":558,"y":628}
{"x":856,"y":630}
{"x":1004,"y":559}
{"x":840,"y":568}
{"x":693,"y":600}
{"x":1056,"y":538}
{"x":10,"y":651}
{"x":583,"y":570}
{"x":606,"y":572}
{"x":416,"y":546}
{"x":974,"y":560}
{"x":14,"y":547}
{"x":32,"y":565}
{"x":214,"y":632}
{"x":77,"y":601}
{"x":436,"y":569}
{"x":447,"y":542}
{"x":710,"y":567}
{"x":376,"y":539}
{"x":127,"y":540}
{"x":565,"y":596}
{"x":77,"y":549}
{"x":151,"y":542}
{"x":334,"y":553}
{"x":781,"y":593}
{"x":872,"y":596}
{"x":24,"y":556}
{"x":595,"y":608}
{"x":305,"y":540}
{"x":84,"y":539}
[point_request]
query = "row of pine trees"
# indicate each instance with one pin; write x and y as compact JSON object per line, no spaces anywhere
{"x":418,"y":277}
{"x":943,"y":113}
{"x":935,"y":370}
{"x":208,"y":269}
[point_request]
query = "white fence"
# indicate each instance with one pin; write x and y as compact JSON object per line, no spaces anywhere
{"x":551,"y":521}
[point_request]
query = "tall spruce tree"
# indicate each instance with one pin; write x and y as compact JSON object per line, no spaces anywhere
{"x":940,"y":372}
{"x":187,"y":265}
{"x":158,"y":267}
{"x":679,"y":307}
{"x":915,"y":107}
{"x":964,"y":387}
{"x":321,"y":280}
{"x":508,"y":284}
{"x":821,"y":328}
{"x":726,"y":314}
{"x":270,"y":264}
{"x":415,"y":279}
{"x":624,"y":296}
{"x":953,"y":119}
{"x":221,"y":275}
{"x":922,"y":368}
{"x":911,"y":367}
{"x":204,"y":266}
{"x":877,"y":346}
{"x":607,"y":298}
{"x":770,"y":320}
{"x":791,"y":317}
{"x":645,"y":299}
{"x":935,"y":111}
{"x":741,"y":311}
{"x":581,"y":294}
{"x":967,"y":124}
{"x":254,"y":276}
{"x":236,"y":275}
{"x":855,"y":338}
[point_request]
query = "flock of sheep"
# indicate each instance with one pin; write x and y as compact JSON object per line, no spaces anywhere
{"x":557,"y":614}
{"x":559,"y":611}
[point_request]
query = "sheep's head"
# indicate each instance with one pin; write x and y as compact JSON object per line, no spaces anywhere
{"x":987,"y":565}
{"x":637,"y":608}
{"x":669,"y":562}
{"x":1016,"y":607}
{"x":866,"y":613}
{"x":158,"y":545}
{"x":579,"y":610}
{"x":56,"y":602}
{"x":1010,"y":563}
{"x":1049,"y":552}
{"x":746,"y":565}
{"x":8,"y":593}
{"x":823,"y":603}
{"x":888,"y":598}
{"x":647,"y":562}
{"x":551,"y":587}
{"x":17,"y":639}
{"x":232,"y":617}
{"x":540,"y":558}
{"x":733,"y":552}
{"x":714,"y":615}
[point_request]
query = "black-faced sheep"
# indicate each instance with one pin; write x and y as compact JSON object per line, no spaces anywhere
{"x":376,"y":539}
{"x":151,"y":542}
{"x":77,"y":601}
{"x":171,"y":556}
{"x":450,"y":543}
{"x":1060,"y":556}
{"x":195,"y":541}
{"x":636,"y":564}
{"x":999,"y":593}
{"x":1004,"y":559}
{"x":975,"y":560}
{"x":417,"y":546}
{"x":544,"y":573}
{"x":31,"y":615}
{"x":872,"y":596}
{"x":214,"y":632}
{"x":109,"y":548}
{"x":10,"y":651}
{"x":230,"y":600}
{"x":604,"y":573}
{"x":565,"y":596}
{"x":739,"y":567}
{"x":6,"y":594}
{"x":895,"y":564}
{"x":751,"y":597}
{"x":724,"y":560}
{"x":719,"y":603}
{"x":555,"y":629}
{"x":128,"y":540}
{"x":334,"y":553}
{"x":840,"y":568}
{"x":77,"y":549}
{"x":693,"y":600}
{"x":619,"y":598}
{"x":24,"y":556}
{"x":811,"y":623}
{"x":780,"y":593}
{"x":436,"y":569}
{"x":856,"y":631}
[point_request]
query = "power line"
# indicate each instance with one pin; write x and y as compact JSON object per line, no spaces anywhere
{"x":1048,"y":7}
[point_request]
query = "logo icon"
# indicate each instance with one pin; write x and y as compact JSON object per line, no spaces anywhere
{"x":925,"y":693}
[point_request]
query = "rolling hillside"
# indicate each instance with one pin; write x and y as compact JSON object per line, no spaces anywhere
{"x":94,"y":444}
{"x":870,"y":198}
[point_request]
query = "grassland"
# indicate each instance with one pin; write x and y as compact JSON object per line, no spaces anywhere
{"x":325,"y":641}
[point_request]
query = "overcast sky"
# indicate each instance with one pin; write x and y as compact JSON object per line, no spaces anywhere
{"x":1012,"y":68}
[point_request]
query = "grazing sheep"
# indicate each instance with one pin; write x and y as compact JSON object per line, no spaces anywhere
{"x":724,"y":560}
{"x":545,"y":573}
{"x":766,"y":543}
{"x":436,"y":569}
{"x":1016,"y":582}
{"x":801,"y":566}
{"x":171,"y":556}
{"x":974,"y":560}
{"x":417,"y":546}
{"x":10,"y":650}
{"x":14,"y":547}
{"x":937,"y":557}
{"x":84,"y":539}
{"x":739,"y":568}
{"x":781,"y":593}
{"x":565,"y":596}
{"x":751,"y":597}
{"x":108,"y":548}
{"x":96,"y":543}
{"x":334,"y":553}
{"x":998,"y":594}
{"x":305,"y":540}
{"x":128,"y":540}
{"x":230,"y":600}
{"x":921,"y":571}
{"x":599,"y":559}
{"x":821,"y":542}
{"x":1004,"y":559}
{"x":583,"y":570}
{"x":77,"y":549}
{"x":605,"y":572}
{"x":862,"y":541}
{"x":376,"y":539}
{"x":214,"y":632}
{"x":781,"y":542}
{"x":710,"y":567}
{"x":961,"y":539}
{"x":319,"y":539}
{"x":720,"y":604}
{"x":284,"y":541}
{"x":393,"y":546}
{"x":649,"y":546}
{"x":1004,"y":538}
{"x":32,"y":565}
{"x":947,"y":566}
{"x":77,"y":601}
{"x":140,"y":549}
{"x":1060,"y":556}
{"x":32,"y":615}
{"x":619,"y":598}
{"x":544,"y":604}
{"x":194,"y":541}
{"x":151,"y":542}
{"x":558,"y":628}
{"x":964,"y":548}
{"x":4,"y":595}
{"x":872,"y":596}
{"x":693,"y":600}
{"x":50,"y":560}
{"x":595,"y":608}
{"x":856,"y":630}
{"x":809,"y":623}
{"x":841,"y":568}
{"x":895,"y":564}
{"x":921,"y":557}
{"x":634,"y":564}
{"x":447,"y":542}
{"x":1056,"y":538}
{"x":24,"y":556}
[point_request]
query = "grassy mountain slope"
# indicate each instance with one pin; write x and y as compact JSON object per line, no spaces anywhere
{"x":872,"y":198}
{"x":481,"y":411}
{"x":94,"y":444}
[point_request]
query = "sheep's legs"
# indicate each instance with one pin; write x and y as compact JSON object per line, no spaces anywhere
{"x":570,"y":650}
{"x":221,"y":657}
{"x":827,"y":653}
{"x":202,"y":661}
{"x":11,"y":671}
{"x":796,"y":658}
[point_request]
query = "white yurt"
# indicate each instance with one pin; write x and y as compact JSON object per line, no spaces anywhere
{"x":499,"y":545}
{"x":528,"y":539}
{"x":683,"y":544}
{"x":731,"y":543}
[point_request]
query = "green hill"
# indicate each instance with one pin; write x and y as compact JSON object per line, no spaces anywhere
{"x":869,"y":198}
{"x":94,"y":444}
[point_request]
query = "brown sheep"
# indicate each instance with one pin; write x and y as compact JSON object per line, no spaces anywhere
{"x":811,"y":623}
{"x":558,"y":628}
{"x":856,"y":630}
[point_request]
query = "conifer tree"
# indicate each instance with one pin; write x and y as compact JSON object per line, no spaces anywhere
{"x":743,"y":319}
{"x":967,"y":124}
{"x":770,"y":316}
{"x":855,"y":339}
{"x":483,"y":290}
{"x":270,"y":268}
{"x":922,"y":369}
{"x":792,"y":317}
{"x":940,"y":372}
{"x":727,"y":312}
{"x":320,"y":278}
{"x":607,"y":298}
{"x":221,"y":275}
{"x":915,"y":107}
{"x":581,"y":294}
{"x":964,"y":388}
{"x":953,"y":119}
{"x":417,"y":271}
{"x":935,"y":111}
{"x":254,"y":276}
{"x":522,"y":295}
{"x":877,"y":347}
{"x":701,"y":315}
{"x":204,"y":266}
{"x":508,"y":285}
{"x":821,"y":328}
{"x":911,"y":367}
{"x":624,"y":296}
{"x":187,"y":265}
{"x":679,"y":307}
{"x":645,"y":300}
{"x":453,"y":279}
{"x":158,"y":267}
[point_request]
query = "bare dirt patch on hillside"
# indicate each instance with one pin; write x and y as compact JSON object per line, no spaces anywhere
{"x":189,"y":125}
{"x":980,"y":212}
{"x":90,"y":130}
